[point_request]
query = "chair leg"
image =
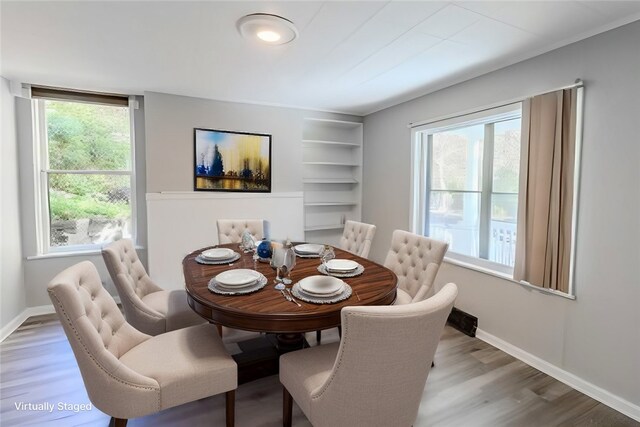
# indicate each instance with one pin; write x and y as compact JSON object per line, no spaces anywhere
{"x":287,"y":407}
{"x":219,"y":327}
{"x":118,"y":422}
{"x":340,"y":331}
{"x":230,"y":400}
{"x":318,"y":336}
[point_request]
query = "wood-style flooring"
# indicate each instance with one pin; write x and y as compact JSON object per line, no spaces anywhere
{"x":472,"y":384}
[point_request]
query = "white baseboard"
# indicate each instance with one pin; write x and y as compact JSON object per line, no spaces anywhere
{"x":24,"y":315}
{"x":28,"y":312}
{"x":601,"y":395}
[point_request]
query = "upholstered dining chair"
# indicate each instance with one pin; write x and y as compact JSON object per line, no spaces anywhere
{"x":147,"y":306}
{"x":230,"y":230}
{"x":415,"y":260}
{"x":127,"y":373}
{"x":376,"y":374}
{"x":357,"y":237}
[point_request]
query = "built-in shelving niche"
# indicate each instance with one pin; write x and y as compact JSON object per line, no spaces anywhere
{"x":332,"y":173}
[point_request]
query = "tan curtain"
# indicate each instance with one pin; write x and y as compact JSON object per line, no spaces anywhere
{"x":545,"y":203}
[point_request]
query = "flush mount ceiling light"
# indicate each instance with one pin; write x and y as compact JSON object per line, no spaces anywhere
{"x":267,"y":29}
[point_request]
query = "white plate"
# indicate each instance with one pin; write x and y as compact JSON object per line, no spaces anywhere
{"x":217,"y":254}
{"x":216,"y":288}
{"x":312,"y":295}
{"x":341,"y":265}
{"x":321,"y":285}
{"x":236,"y":287}
{"x":308,"y":249}
{"x":237,"y":277}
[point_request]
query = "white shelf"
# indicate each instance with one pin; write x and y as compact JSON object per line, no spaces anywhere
{"x":331,"y":204}
{"x":332,"y":154}
{"x":335,"y":123}
{"x":325,"y":142}
{"x":330,"y":164}
{"x":330,"y":181}
{"x":324,"y":227}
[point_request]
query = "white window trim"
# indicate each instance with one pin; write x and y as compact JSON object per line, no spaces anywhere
{"x":420,"y":172}
{"x":41,"y":201}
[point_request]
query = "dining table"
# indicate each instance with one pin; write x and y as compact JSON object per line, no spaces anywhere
{"x":267,"y":310}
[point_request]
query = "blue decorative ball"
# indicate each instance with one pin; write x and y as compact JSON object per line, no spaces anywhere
{"x":264,"y":249}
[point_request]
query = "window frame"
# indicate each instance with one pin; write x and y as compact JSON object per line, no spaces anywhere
{"x":41,"y":163}
{"x":421,"y":153}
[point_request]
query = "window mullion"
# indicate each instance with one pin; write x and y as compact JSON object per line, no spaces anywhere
{"x":485,"y":198}
{"x":427,"y":185}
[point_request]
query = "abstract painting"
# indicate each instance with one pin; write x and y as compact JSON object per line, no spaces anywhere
{"x":232,"y":161}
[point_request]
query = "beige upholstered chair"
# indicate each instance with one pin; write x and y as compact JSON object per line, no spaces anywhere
{"x":230,"y":230}
{"x":356,"y":237}
{"x":129,"y":374}
{"x":148,"y":307}
{"x":415,"y":260}
{"x":377,"y":373}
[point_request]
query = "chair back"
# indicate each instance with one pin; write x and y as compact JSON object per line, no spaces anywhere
{"x":133,"y":283}
{"x":415,"y":260}
{"x":383,"y":362}
{"x":231,"y":230}
{"x":357,"y":237}
{"x":99,"y":335}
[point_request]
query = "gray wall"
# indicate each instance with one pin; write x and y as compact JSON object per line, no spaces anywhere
{"x":595,"y":337}
{"x":170,"y":120}
{"x":12,"y":294}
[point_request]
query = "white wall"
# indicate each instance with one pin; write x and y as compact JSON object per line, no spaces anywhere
{"x":597,"y":336}
{"x":12,"y":294}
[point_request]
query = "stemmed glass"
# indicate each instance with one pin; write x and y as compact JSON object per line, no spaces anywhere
{"x":278,"y":262}
{"x":326,"y":255}
{"x":289,"y":264}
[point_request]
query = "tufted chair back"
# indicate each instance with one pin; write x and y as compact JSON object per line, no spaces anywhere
{"x":398,"y":344}
{"x":357,"y":237}
{"x":132,"y":282}
{"x":230,"y":230}
{"x":97,"y":332}
{"x":415,"y":260}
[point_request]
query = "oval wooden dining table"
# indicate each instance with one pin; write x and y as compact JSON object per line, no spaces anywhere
{"x":267,"y":310}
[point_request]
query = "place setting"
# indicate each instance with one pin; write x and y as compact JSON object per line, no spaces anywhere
{"x":217,"y":256}
{"x":341,"y":268}
{"x":321,"y":290}
{"x":240,"y":281}
{"x":308,"y":250}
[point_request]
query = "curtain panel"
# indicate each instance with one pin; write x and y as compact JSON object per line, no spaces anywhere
{"x":545,"y":203}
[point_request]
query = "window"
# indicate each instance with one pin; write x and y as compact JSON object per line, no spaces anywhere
{"x":466,"y":173}
{"x":86,"y":186}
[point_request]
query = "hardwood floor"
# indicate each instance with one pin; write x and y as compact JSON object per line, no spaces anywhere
{"x":472,"y":384}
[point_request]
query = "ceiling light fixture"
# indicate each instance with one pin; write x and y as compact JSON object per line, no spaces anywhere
{"x":267,"y":29}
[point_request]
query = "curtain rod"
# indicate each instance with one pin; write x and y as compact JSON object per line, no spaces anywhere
{"x":578,"y":83}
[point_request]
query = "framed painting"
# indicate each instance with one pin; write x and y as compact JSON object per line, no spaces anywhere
{"x":232,"y":161}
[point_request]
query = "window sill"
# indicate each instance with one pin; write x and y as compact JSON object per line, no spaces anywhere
{"x":506,"y":277}
{"x":68,"y":254}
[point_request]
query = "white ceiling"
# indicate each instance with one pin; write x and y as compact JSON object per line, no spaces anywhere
{"x":355,"y":57}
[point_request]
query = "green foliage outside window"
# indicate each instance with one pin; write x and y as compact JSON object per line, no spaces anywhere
{"x":93,"y":137}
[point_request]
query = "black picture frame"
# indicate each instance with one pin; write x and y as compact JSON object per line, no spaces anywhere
{"x":247,"y":156}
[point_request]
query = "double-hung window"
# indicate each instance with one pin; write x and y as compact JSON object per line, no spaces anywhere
{"x":85,"y":160}
{"x":465,"y":185}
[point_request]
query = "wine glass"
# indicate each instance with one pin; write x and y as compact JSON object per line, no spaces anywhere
{"x":289,"y":264}
{"x":278,"y":262}
{"x":326,"y":255}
